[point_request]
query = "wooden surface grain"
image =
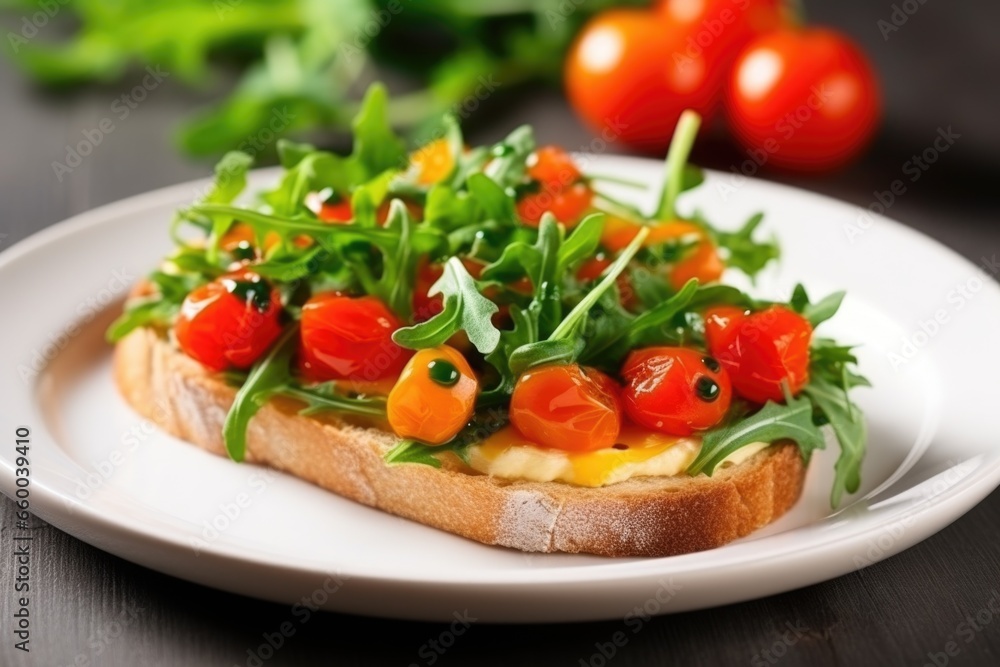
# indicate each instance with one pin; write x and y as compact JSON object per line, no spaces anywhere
{"x":91,"y":608}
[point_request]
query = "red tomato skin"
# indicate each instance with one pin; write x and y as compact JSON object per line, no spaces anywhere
{"x":349,"y":338}
{"x":661,"y":390}
{"x":221,"y":331}
{"x":567,"y":407}
{"x":568,"y":205}
{"x":722,"y":27}
{"x":803,"y":99}
{"x":553,"y":167}
{"x":762,"y":350}
{"x":702,"y":263}
{"x":623,"y":80}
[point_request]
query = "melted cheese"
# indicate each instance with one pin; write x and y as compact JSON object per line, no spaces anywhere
{"x":508,"y":455}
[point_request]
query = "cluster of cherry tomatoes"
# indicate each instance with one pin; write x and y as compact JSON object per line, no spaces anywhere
{"x":231,"y":322}
{"x":679,"y":391}
{"x":798,"y":98}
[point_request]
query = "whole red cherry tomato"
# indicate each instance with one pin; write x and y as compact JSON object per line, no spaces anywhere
{"x":349,"y":338}
{"x":631,"y":72}
{"x":568,"y":407}
{"x":722,"y":27}
{"x":803,"y":99}
{"x":676,"y":390}
{"x":229,"y":322}
{"x":761,"y":350}
{"x":561,"y":188}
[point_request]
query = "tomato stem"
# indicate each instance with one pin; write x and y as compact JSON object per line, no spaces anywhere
{"x":677,"y":156}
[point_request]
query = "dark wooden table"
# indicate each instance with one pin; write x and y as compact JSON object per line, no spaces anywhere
{"x":90,"y":608}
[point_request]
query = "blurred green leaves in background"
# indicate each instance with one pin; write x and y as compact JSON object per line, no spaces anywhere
{"x":302,"y":63}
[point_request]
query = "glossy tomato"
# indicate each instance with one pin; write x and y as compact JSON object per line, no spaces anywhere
{"x":701,"y":262}
{"x":631,"y":72}
{"x":434,"y":396}
{"x":229,"y":322}
{"x":568,"y":407}
{"x":675,"y":390}
{"x":349,"y":338}
{"x":559,"y":188}
{"x":803,"y":99}
{"x":722,"y":27}
{"x":761,"y":350}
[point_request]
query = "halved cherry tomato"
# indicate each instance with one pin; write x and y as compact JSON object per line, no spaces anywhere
{"x":676,"y":390}
{"x":434,"y":396}
{"x":347,"y":337}
{"x":702,"y":262}
{"x":803,"y":99}
{"x":568,"y":407}
{"x":432,"y":162}
{"x":330,"y":206}
{"x":761,"y":350}
{"x":229,"y":322}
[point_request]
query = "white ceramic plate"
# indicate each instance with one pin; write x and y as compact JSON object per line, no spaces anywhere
{"x":103,"y":474}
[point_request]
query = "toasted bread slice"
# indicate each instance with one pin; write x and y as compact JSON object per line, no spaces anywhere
{"x":643,"y":516}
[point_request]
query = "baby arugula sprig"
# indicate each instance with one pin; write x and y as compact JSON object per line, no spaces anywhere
{"x":471,"y":213}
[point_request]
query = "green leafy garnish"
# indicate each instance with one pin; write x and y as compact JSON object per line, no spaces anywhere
{"x":465,"y":309}
{"x":775,"y":421}
{"x":268,"y":377}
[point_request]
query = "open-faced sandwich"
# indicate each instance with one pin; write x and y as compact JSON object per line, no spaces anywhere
{"x":480,"y":340}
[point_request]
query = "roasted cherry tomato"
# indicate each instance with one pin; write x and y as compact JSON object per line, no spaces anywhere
{"x":676,"y":390}
{"x":229,"y":322}
{"x":561,"y":189}
{"x":568,"y":407}
{"x":701,"y":262}
{"x":803,"y":99}
{"x":760,"y":350}
{"x":349,"y":338}
{"x":567,"y":205}
{"x":433,"y":162}
{"x":434,"y":396}
{"x":553,"y":168}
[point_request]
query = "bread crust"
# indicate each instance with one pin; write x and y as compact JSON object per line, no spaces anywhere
{"x":644,"y":516}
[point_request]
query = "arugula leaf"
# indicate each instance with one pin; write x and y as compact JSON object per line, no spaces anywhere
{"x":523,"y":333}
{"x":742,"y":252}
{"x":848,"y":425}
{"x":143,"y":313}
{"x":648,"y":328}
{"x":507,"y":168}
{"x":819,"y":312}
{"x":411,"y":451}
{"x":230,"y":178}
{"x":269,"y":376}
{"x":495,"y":203}
{"x":581,"y":244}
{"x":376,"y":146}
{"x":775,"y":421}
{"x":324,"y":398}
{"x":465,"y":309}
